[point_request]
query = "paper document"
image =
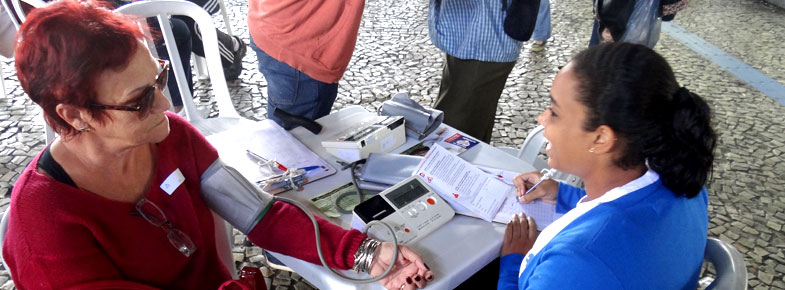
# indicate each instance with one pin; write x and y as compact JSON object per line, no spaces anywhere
{"x":483,"y":192}
{"x":460,"y":182}
{"x":267,"y":139}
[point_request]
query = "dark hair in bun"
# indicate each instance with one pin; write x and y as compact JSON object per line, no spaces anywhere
{"x":632,"y":89}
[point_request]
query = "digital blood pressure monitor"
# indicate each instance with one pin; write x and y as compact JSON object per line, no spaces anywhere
{"x":410,"y":207}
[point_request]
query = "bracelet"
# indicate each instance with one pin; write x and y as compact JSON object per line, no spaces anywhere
{"x":363,"y":258}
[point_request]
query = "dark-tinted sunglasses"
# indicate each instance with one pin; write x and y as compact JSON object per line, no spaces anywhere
{"x":145,"y":100}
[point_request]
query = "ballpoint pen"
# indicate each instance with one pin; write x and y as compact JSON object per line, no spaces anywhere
{"x":546,"y":174}
{"x":262,"y":159}
{"x":309,"y":168}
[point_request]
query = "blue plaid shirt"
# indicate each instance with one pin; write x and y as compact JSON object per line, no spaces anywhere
{"x":471,"y":29}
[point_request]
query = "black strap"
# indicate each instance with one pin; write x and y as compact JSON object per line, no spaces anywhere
{"x":48,"y":164}
{"x":291,"y":121}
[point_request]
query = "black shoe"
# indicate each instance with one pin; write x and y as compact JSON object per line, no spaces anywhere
{"x":233,"y":70}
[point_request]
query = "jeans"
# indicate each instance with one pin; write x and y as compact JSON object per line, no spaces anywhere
{"x":542,"y":30}
{"x":293,"y":91}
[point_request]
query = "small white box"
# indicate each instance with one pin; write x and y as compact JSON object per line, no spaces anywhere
{"x":377,"y":134}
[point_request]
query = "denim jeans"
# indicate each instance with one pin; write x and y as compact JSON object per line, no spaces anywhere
{"x":293,"y":91}
{"x":542,"y":30}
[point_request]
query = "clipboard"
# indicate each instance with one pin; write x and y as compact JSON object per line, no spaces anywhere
{"x":271,"y":141}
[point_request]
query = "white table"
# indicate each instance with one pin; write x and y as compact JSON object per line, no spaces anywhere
{"x":454,"y":252}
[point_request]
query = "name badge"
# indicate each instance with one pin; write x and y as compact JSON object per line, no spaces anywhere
{"x":173,"y":181}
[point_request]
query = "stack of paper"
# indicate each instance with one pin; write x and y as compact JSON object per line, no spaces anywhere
{"x":489,"y":195}
{"x":268,"y":140}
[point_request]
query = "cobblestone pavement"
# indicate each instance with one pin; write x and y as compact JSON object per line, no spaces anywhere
{"x":747,"y":206}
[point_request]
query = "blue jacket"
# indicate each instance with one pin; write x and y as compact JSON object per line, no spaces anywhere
{"x":647,"y":239}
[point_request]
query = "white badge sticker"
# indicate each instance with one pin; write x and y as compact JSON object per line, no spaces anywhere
{"x":173,"y":181}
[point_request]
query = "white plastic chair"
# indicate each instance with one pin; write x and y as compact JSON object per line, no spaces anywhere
{"x":3,"y":230}
{"x":728,"y":264}
{"x":530,"y":153}
{"x":15,"y":11}
{"x":17,"y":8}
{"x":228,"y":118}
{"x":199,"y":62}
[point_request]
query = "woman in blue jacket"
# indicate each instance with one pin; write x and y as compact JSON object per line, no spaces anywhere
{"x":643,"y":146}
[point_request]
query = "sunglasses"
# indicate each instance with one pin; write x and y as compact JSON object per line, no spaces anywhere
{"x":145,"y":100}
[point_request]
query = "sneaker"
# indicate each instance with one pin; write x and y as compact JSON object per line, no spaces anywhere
{"x":538,"y":45}
{"x":232,"y":71}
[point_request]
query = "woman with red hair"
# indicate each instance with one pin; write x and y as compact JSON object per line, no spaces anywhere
{"x":92,"y":210}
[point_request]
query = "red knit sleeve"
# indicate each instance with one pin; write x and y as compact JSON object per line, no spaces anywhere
{"x":287,"y":230}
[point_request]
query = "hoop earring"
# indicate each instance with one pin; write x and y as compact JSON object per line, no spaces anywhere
{"x":591,"y":150}
{"x":84,"y":130}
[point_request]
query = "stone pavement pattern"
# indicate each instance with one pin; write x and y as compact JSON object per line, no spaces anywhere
{"x":747,"y":206}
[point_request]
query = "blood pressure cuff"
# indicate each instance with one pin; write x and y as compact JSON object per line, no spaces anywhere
{"x":233,"y":197}
{"x":419,"y":121}
{"x":389,"y":168}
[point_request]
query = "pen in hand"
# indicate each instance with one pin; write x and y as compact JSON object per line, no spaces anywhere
{"x":547,"y":174}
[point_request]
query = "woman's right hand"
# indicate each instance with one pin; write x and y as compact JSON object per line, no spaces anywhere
{"x":546,"y":191}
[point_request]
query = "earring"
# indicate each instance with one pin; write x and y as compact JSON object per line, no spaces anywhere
{"x":84,"y":129}
{"x":591,"y":150}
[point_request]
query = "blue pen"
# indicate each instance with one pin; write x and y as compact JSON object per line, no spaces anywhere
{"x":309,"y":168}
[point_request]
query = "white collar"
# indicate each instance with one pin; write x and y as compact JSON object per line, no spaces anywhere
{"x":646,"y":179}
{"x":583,"y":207}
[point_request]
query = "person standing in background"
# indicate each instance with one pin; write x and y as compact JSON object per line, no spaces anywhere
{"x":303,"y":49}
{"x":542,"y":31}
{"x":479,"y":56}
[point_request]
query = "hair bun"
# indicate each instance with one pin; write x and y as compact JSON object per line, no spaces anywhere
{"x":682,"y":94}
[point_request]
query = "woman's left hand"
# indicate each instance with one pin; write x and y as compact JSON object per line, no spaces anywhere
{"x":520,"y":235}
{"x":410,"y":272}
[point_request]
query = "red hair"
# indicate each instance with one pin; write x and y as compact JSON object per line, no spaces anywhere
{"x":63,"y":48}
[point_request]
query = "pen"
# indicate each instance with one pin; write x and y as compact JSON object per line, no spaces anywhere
{"x":262,"y":159}
{"x":309,"y":168}
{"x":547,"y":173}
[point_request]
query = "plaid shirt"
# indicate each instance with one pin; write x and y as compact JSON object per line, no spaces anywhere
{"x":471,"y":29}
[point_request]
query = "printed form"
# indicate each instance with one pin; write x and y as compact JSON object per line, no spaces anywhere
{"x":461,"y":183}
{"x":482,"y":192}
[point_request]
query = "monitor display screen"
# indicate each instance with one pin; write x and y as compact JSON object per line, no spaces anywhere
{"x":406,"y":193}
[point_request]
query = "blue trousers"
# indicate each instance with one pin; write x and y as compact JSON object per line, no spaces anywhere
{"x":542,"y":30}
{"x":293,"y":91}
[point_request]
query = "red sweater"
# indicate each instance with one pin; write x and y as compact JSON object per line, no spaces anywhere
{"x":316,"y":37}
{"x":62,"y":237}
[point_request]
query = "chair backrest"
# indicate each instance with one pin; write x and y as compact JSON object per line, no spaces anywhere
{"x":18,"y":9}
{"x":3,"y":230}
{"x":530,"y":153}
{"x":224,"y":241}
{"x":162,"y":10}
{"x":729,"y":266}
{"x":530,"y":149}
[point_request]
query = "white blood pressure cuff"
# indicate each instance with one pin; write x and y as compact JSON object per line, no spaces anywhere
{"x":233,"y":197}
